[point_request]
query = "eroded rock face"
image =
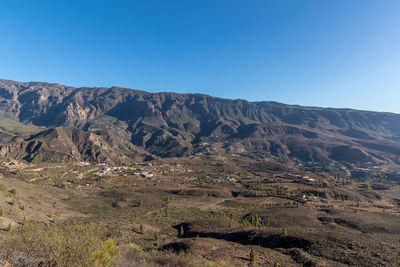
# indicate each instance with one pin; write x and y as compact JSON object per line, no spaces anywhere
{"x":76,"y":113}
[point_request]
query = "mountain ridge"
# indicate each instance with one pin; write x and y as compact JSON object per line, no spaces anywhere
{"x":199,"y":94}
{"x":171,"y":124}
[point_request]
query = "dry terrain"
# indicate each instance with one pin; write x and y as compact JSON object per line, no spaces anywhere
{"x":194,"y":211}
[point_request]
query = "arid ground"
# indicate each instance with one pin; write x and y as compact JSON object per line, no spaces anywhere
{"x":195,"y":211}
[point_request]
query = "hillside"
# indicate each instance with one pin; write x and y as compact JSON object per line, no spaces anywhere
{"x":11,"y":130}
{"x":119,"y":177}
{"x":170,"y":124}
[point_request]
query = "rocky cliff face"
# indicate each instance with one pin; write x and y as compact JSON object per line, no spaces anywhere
{"x":169,"y":124}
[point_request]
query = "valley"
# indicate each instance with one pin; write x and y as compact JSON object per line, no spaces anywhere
{"x":200,"y":133}
{"x":195,"y":211}
{"x":121,"y":177}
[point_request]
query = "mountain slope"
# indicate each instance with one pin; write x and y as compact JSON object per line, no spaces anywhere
{"x":170,"y":124}
{"x":67,"y":144}
{"x":12,"y":130}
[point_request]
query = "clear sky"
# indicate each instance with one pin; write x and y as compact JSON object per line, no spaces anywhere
{"x":331,"y":53}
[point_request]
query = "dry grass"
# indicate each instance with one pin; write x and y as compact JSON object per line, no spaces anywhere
{"x":64,"y":245}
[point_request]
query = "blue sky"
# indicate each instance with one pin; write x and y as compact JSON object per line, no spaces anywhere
{"x":332,"y":53}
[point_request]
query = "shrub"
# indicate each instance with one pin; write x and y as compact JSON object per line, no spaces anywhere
{"x":62,"y":245}
{"x":105,"y":255}
{"x":253,"y":256}
{"x":157,"y":239}
{"x":10,"y":229}
{"x":3,"y":187}
{"x":284,"y":230}
{"x":134,"y":246}
{"x":368,"y":186}
{"x":254,"y":221}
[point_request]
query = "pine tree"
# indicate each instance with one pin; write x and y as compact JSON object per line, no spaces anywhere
{"x":157,"y":239}
{"x":284,"y":230}
{"x":10,"y":229}
{"x":368,"y":185}
{"x":253,"y":256}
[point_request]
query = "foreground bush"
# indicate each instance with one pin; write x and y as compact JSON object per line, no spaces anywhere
{"x":105,"y":255}
{"x":37,"y":244}
{"x":56,"y":245}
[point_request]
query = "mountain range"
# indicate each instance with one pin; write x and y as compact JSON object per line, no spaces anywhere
{"x":52,"y":122}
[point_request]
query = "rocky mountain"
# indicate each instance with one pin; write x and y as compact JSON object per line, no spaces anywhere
{"x":67,"y":144}
{"x":111,"y":123}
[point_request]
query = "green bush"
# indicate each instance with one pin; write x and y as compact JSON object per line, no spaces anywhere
{"x":134,"y":246}
{"x":106,"y":254}
{"x":367,"y":186}
{"x":254,"y":221}
{"x":156,"y":239}
{"x":284,"y":230}
{"x":3,"y":187}
{"x":253,"y":256}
